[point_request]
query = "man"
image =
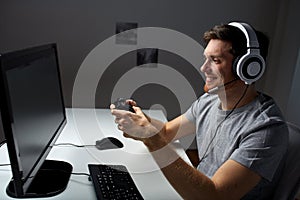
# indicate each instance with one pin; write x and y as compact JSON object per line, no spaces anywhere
{"x":241,"y":135}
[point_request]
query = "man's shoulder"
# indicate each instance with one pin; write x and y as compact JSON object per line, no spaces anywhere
{"x":268,"y":104}
{"x":208,"y":97}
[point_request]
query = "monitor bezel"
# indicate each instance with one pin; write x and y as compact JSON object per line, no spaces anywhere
{"x":22,"y":182}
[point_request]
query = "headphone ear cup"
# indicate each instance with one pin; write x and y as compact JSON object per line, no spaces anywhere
{"x":250,"y":67}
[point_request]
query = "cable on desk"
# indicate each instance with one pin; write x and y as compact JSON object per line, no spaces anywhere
{"x":82,"y":174}
{"x":75,"y":145}
{"x":72,"y":173}
{"x":2,"y":165}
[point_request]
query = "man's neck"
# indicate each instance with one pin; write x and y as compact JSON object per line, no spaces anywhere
{"x":237,"y":96}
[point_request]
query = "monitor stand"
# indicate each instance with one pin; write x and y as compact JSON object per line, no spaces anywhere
{"x":51,"y":179}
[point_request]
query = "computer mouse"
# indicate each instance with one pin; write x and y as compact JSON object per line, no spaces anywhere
{"x":108,"y":143}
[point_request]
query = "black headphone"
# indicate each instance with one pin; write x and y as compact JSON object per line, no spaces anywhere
{"x":250,"y":66}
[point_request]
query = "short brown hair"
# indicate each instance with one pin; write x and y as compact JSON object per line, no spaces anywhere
{"x":237,"y":38}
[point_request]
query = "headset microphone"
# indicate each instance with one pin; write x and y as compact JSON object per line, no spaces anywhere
{"x":215,"y":89}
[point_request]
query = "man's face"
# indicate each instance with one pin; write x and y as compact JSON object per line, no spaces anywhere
{"x":217,"y":67}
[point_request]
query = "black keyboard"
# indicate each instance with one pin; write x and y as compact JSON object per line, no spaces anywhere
{"x":113,"y":182}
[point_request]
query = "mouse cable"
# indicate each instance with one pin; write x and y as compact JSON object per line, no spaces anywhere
{"x":2,"y":165}
{"x":74,"y":145}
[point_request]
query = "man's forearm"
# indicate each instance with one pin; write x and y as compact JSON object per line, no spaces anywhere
{"x":185,"y":179}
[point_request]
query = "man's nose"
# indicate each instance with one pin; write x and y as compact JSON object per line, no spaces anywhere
{"x":205,"y":66}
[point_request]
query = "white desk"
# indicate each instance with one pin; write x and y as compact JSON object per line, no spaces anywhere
{"x":85,"y":126}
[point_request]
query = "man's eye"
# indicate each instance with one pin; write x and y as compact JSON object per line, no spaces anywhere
{"x":216,"y":60}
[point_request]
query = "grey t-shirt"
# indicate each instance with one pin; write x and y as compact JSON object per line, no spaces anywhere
{"x":254,"y":135}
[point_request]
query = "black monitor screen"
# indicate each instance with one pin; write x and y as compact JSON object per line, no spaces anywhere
{"x":33,"y":114}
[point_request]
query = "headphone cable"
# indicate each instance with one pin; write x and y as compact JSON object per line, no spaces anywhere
{"x":216,"y":131}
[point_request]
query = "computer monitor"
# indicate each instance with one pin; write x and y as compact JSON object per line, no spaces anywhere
{"x":33,"y":116}
{"x":2,"y":138}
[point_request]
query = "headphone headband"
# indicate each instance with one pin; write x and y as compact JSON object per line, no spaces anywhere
{"x":249,"y":32}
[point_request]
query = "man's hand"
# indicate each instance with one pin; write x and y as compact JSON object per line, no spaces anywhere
{"x":134,"y":125}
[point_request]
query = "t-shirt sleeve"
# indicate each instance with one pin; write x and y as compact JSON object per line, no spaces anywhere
{"x":190,"y":113}
{"x":200,"y":108}
{"x":261,"y":150}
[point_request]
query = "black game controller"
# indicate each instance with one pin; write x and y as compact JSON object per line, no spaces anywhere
{"x":121,"y":104}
